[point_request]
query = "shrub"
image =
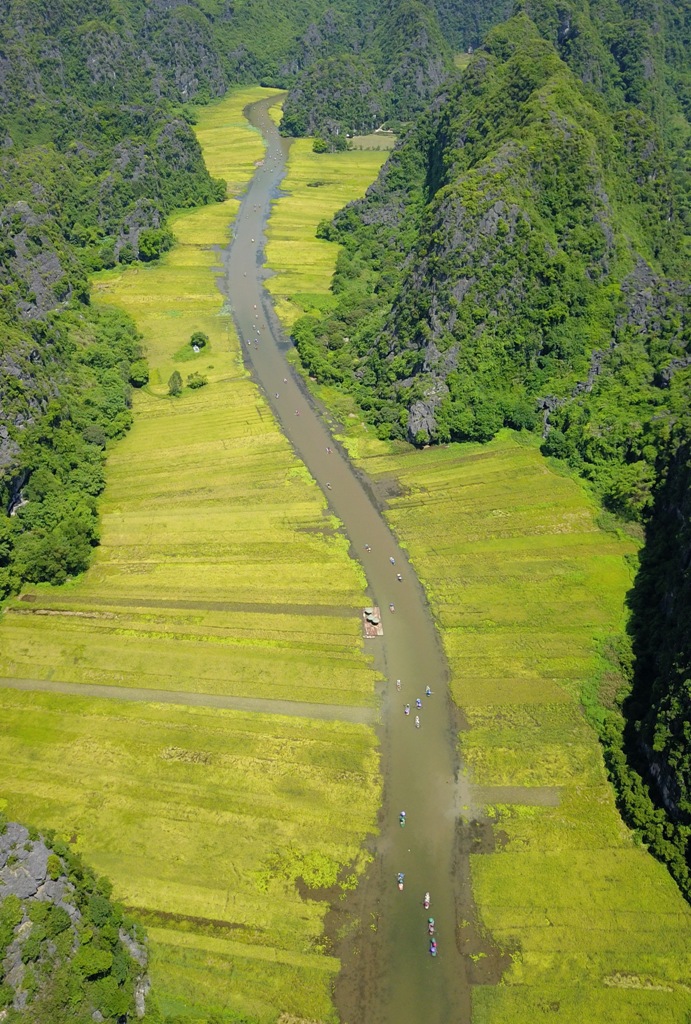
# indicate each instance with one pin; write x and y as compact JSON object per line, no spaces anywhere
{"x":58,"y":921}
{"x":54,"y":867}
{"x":31,"y":949}
{"x":174,"y":383}
{"x":139,"y":373}
{"x":100,"y":910}
{"x":90,"y":962}
{"x":153,"y":242}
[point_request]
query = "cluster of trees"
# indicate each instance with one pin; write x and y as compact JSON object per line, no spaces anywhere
{"x":68,"y":397}
{"x":76,"y":948}
{"x":194,"y":380}
{"x":642,"y":704}
{"x":651,"y":746}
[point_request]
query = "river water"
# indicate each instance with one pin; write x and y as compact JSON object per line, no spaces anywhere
{"x":389,"y":976}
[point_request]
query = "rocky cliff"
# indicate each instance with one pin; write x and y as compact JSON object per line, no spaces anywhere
{"x":66,"y":951}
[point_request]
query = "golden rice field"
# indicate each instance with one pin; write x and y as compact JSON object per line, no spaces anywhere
{"x":317,"y":185}
{"x":526,"y":588}
{"x":220,"y":571}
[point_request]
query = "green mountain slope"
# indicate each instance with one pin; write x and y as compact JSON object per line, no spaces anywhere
{"x":400,"y":59}
{"x":518,"y":263}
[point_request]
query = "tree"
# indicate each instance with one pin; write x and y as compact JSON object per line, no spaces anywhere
{"x":153,"y":242}
{"x":127,"y":253}
{"x":199,"y":339}
{"x":139,"y":373}
{"x":174,"y":383}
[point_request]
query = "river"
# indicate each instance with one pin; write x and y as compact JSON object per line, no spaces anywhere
{"x":389,"y":976}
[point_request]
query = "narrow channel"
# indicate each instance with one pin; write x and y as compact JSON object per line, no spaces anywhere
{"x":395,"y":980}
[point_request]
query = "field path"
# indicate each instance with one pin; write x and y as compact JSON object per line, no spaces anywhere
{"x":297,"y":709}
{"x":389,"y":976}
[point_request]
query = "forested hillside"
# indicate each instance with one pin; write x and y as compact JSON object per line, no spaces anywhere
{"x":519,"y":262}
{"x":401,"y":58}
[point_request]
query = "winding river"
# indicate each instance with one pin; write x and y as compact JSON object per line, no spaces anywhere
{"x":388,"y":976}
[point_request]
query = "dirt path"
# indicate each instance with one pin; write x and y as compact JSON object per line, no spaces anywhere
{"x":297,"y":709}
{"x":388,"y":973}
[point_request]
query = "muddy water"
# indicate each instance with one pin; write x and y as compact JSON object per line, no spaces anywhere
{"x":395,"y":979}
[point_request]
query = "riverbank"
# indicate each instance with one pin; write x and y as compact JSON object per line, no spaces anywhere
{"x":528,"y":592}
{"x":221,"y":572}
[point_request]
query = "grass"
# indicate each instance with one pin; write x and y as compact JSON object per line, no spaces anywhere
{"x":204,"y":819}
{"x":379,"y":141}
{"x":526,"y":589}
{"x":220,"y":570}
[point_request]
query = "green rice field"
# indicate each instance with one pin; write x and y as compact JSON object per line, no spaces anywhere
{"x":220,"y":572}
{"x":526,"y":589}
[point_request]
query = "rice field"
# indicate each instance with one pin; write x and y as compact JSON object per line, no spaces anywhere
{"x":317,"y":185}
{"x":220,"y":572}
{"x":526,"y":589}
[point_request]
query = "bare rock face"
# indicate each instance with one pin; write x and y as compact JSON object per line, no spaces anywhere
{"x":421,"y":418}
{"x":141,"y":991}
{"x":24,"y":863}
{"x":144,"y":214}
{"x":136,"y":950}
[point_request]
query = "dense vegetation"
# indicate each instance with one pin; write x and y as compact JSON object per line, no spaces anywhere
{"x":517,"y":263}
{"x":65,"y":394}
{"x":400,"y":58}
{"x":648,"y":749}
{"x":661,"y":698}
{"x":67,"y":953}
